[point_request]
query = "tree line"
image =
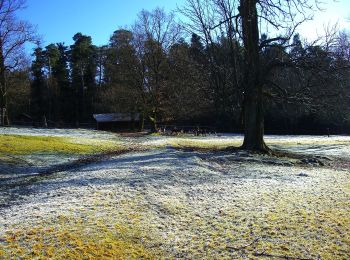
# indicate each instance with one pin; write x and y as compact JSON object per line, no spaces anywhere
{"x":202,"y":72}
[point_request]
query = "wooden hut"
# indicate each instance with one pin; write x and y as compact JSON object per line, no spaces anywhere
{"x":117,"y":122}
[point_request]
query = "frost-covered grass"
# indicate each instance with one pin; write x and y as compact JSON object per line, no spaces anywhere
{"x":75,"y":238}
{"x":170,"y":203}
{"x":212,"y":215}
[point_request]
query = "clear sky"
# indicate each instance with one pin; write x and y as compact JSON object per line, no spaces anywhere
{"x":59,"y":20}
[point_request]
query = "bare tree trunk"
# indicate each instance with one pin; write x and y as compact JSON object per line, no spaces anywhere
{"x":44,"y":121}
{"x":3,"y":101}
{"x":153,"y":120}
{"x":254,"y":121}
{"x":142,"y":126}
{"x":253,"y":98}
{"x":79,"y":98}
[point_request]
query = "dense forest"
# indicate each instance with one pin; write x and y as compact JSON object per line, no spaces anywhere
{"x":192,"y":73}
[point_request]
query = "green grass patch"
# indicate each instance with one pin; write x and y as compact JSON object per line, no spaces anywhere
{"x":24,"y":145}
{"x":210,"y":144}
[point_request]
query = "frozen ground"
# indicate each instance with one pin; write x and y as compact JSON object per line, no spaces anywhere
{"x":181,"y":203}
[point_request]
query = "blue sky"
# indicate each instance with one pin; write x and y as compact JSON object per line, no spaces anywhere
{"x":59,"y":20}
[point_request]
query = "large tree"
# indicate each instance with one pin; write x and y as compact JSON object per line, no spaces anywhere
{"x":244,"y":21}
{"x":284,"y":15}
{"x":253,"y":95}
{"x":14,"y":33}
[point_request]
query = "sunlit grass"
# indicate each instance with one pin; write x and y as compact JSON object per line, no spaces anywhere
{"x":73,"y":239}
{"x":194,"y":143}
{"x":23,"y":145}
{"x":288,"y":225}
{"x":204,"y":144}
{"x":307,"y":227}
{"x":83,"y":234}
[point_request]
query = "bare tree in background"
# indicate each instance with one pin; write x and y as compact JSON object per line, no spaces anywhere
{"x":154,"y":34}
{"x":14,"y":33}
{"x":209,"y":19}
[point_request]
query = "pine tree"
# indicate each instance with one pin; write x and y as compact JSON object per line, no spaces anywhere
{"x":39,"y":104}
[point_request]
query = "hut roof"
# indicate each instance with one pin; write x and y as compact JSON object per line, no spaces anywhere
{"x":116,"y":117}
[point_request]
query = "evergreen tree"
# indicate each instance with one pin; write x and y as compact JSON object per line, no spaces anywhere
{"x":83,"y":72}
{"x":120,"y":93}
{"x":39,"y":88}
{"x":52,"y":55}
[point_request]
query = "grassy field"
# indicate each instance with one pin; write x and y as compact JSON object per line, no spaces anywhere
{"x":166,"y":202}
